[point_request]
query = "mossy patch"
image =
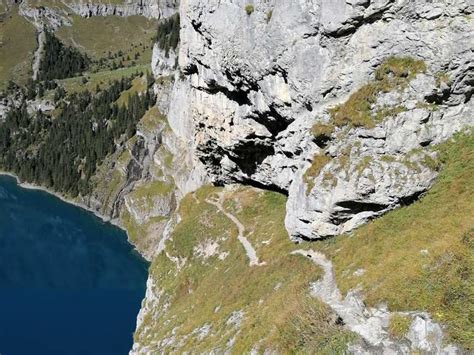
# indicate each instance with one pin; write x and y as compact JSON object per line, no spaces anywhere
{"x":249,"y":9}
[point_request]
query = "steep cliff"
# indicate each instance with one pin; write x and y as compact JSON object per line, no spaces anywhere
{"x":310,"y":118}
{"x":271,"y":88}
{"x":337,"y":105}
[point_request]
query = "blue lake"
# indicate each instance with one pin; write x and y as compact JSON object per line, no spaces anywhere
{"x":69,"y":283}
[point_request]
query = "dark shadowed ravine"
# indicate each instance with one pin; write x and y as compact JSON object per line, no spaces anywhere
{"x":69,"y":283}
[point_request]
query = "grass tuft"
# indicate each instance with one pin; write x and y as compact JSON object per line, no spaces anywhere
{"x":310,"y":327}
{"x":322,"y":132}
{"x":399,"y":325}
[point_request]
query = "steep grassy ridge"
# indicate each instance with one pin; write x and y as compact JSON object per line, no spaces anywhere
{"x":420,"y":257}
{"x":215,"y":299}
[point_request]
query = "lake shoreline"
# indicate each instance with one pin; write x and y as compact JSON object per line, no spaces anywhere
{"x":30,"y":186}
{"x":62,"y":263}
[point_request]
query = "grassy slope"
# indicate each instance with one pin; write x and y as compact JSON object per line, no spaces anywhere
{"x":99,"y":35}
{"x":138,"y":87}
{"x":17,"y":45}
{"x":420,"y":257}
{"x":208,"y":291}
{"x":101,"y":78}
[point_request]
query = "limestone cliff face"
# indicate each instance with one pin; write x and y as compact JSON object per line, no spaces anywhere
{"x":257,"y":77}
{"x":147,"y":8}
{"x":58,"y":14}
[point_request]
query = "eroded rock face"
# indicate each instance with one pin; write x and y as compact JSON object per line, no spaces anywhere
{"x":59,"y":14}
{"x":255,"y":82}
{"x":147,"y":8}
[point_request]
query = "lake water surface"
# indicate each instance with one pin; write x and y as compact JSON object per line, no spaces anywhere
{"x":69,"y":283}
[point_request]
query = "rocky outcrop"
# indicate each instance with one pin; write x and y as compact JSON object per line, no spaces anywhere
{"x":423,"y":334}
{"x":41,"y":16}
{"x":257,"y":81}
{"x":371,"y":171}
{"x":148,"y":8}
{"x":59,"y":14}
{"x":161,"y":64}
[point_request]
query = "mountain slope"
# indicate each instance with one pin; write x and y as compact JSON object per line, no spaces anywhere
{"x":275,"y":123}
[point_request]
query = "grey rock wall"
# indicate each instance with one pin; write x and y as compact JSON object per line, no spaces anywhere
{"x":256,"y":83}
{"x":59,"y":14}
{"x":147,"y":8}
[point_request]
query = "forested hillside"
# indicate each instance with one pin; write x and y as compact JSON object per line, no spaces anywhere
{"x":60,"y":61}
{"x":62,"y":153}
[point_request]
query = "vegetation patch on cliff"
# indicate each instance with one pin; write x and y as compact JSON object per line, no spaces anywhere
{"x":317,"y":165}
{"x":167,"y":34}
{"x":429,"y":244}
{"x":393,"y":74}
{"x":249,"y":9}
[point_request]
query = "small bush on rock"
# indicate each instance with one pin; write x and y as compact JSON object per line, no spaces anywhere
{"x":249,"y":9}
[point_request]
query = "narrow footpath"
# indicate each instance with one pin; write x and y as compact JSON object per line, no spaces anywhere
{"x":371,"y":324}
{"x":249,"y":249}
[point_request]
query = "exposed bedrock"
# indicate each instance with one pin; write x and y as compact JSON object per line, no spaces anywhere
{"x":59,"y":14}
{"x":147,"y":8}
{"x":256,"y":80}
